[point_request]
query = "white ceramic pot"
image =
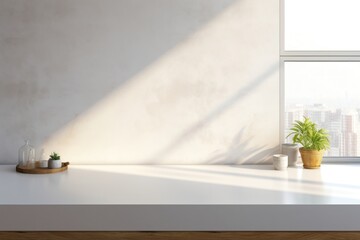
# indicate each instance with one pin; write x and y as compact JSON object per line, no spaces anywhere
{"x":54,"y":163}
{"x":292,"y":151}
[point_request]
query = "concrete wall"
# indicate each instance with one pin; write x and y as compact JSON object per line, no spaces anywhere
{"x":140,"y":82}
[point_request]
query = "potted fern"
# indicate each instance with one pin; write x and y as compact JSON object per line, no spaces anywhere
{"x":314,"y":142}
{"x":54,"y":161}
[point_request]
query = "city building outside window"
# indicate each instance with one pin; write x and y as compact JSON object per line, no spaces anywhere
{"x":320,"y":70}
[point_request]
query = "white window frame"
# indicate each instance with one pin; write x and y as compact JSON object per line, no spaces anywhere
{"x":308,"y":56}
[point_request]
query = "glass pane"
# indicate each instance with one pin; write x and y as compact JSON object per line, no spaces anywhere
{"x":328,"y":93}
{"x":322,"y":25}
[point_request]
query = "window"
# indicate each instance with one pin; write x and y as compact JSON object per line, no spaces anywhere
{"x":320,"y":69}
{"x":321,"y":25}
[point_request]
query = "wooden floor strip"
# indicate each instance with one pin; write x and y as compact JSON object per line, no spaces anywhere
{"x":179,"y":235}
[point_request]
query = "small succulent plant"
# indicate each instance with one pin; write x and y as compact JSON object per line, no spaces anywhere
{"x":54,"y":156}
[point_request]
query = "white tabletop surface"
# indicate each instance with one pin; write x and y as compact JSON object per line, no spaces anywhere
{"x":177,"y":184}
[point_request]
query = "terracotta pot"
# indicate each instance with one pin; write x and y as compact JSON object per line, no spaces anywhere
{"x":311,"y":158}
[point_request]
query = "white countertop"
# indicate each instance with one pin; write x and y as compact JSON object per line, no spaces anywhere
{"x":181,"y":198}
{"x":177,"y":184}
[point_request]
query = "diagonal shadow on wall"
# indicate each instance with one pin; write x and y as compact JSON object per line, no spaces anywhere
{"x":59,"y":58}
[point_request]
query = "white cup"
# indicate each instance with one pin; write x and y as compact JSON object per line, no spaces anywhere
{"x":44,"y":163}
{"x":292,"y":151}
{"x":280,"y":162}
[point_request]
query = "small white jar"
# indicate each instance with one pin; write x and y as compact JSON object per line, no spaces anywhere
{"x":280,"y":162}
{"x":44,"y":163}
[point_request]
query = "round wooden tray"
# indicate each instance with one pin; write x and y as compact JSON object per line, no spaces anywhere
{"x":38,"y":170}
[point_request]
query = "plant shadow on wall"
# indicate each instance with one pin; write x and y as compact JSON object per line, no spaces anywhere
{"x":60,"y":58}
{"x":241,"y":151}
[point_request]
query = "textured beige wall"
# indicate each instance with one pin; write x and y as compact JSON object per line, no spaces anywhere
{"x":140,"y":82}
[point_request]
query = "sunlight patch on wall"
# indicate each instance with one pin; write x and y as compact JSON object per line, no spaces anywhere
{"x":141,"y":117}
